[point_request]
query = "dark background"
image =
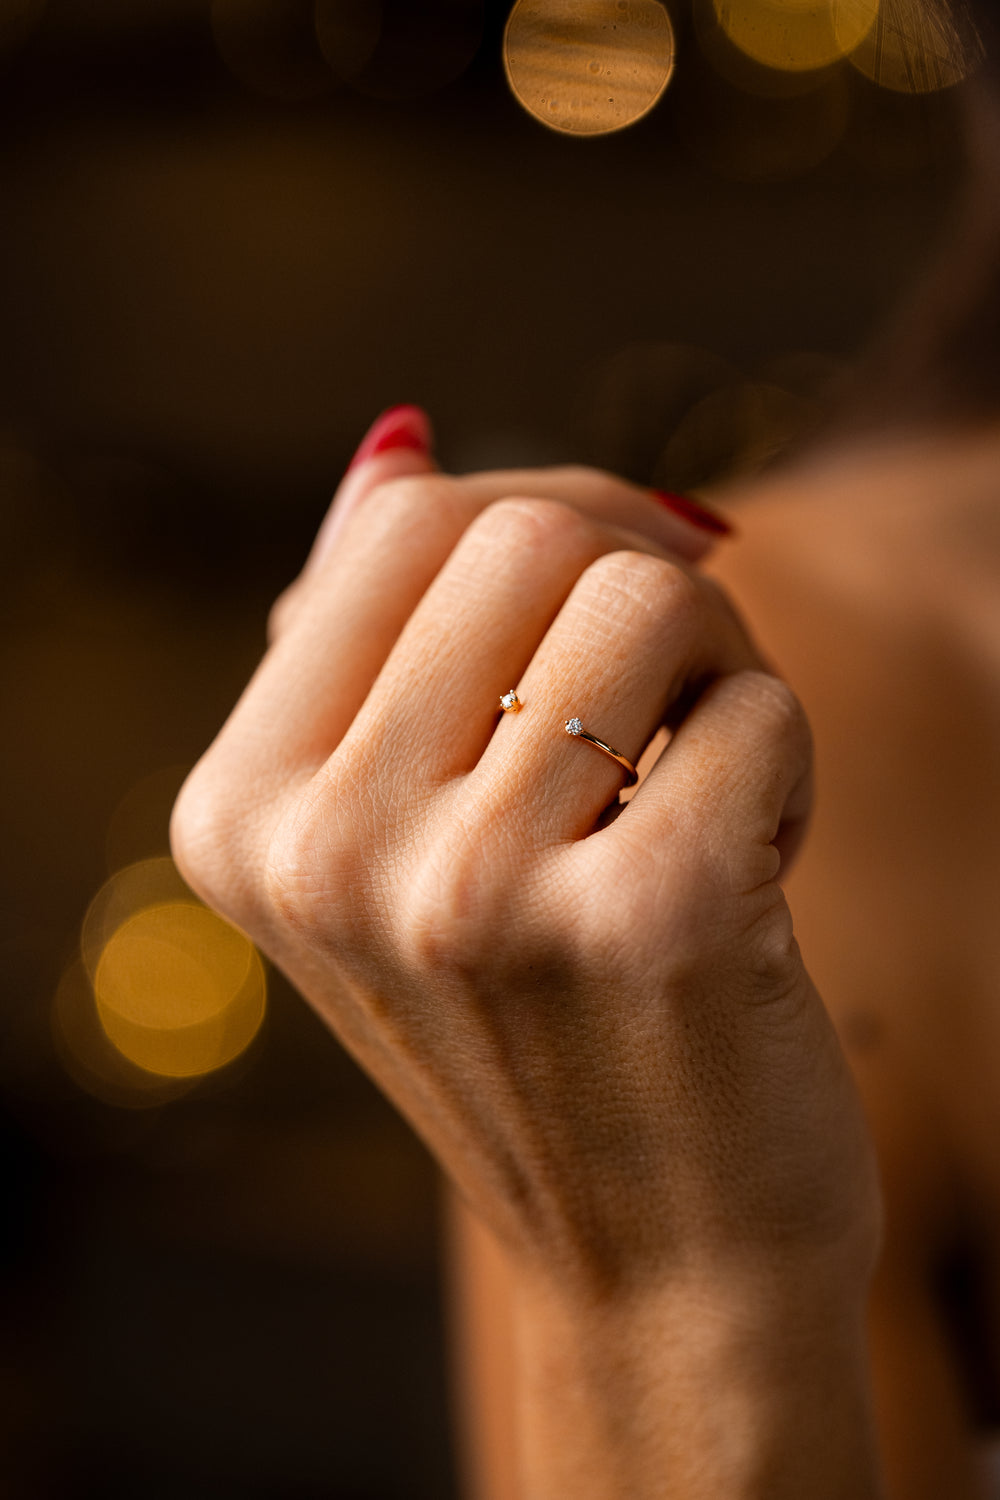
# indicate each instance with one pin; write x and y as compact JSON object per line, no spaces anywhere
{"x":214,"y":271}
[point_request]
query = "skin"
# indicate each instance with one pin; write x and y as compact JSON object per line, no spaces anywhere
{"x":870,"y":575}
{"x":602,"y":1026}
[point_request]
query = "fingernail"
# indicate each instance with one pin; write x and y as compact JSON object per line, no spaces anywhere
{"x":399,"y":427}
{"x":693,"y":511}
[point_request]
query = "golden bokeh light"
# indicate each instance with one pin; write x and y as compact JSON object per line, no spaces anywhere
{"x":147,"y":882}
{"x":179,"y":991}
{"x":588,"y":69}
{"x":92,"y":1060}
{"x":172,"y":966}
{"x":915,"y":47}
{"x":732,"y":65}
{"x":796,"y":35}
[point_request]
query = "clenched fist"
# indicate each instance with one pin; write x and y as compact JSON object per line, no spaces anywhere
{"x":596,"y":1016}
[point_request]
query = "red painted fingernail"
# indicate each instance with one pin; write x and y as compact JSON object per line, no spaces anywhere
{"x":399,"y":427}
{"x":694,"y":511}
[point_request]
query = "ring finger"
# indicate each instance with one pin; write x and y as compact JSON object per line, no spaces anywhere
{"x":637,"y":639}
{"x":583,"y":620}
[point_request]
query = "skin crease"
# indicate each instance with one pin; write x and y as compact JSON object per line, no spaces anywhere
{"x":607,"y":1037}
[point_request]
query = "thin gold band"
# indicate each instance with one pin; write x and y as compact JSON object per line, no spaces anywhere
{"x":576,"y":729}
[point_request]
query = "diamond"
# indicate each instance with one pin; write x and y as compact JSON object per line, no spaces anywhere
{"x":573,"y":726}
{"x":510,"y":702}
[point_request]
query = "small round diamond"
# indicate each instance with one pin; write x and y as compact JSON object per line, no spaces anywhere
{"x":574,"y":726}
{"x":510,"y":702}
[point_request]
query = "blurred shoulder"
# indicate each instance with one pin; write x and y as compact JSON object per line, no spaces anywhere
{"x":872,"y":578}
{"x":872,"y":581}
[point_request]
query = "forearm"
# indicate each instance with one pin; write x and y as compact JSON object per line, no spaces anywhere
{"x":685,"y":1394}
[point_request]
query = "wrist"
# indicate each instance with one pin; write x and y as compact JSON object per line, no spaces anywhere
{"x":747,"y":1387}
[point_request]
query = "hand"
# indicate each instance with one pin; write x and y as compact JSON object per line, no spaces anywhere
{"x":601,"y":1026}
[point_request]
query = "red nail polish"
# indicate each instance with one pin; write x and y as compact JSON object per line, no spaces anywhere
{"x":399,"y":427}
{"x":693,"y":511}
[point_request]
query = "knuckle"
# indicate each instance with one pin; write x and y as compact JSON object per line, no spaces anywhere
{"x":779,"y":713}
{"x":206,"y":841}
{"x":426,"y":907}
{"x":312,"y":872}
{"x":619,"y":582}
{"x":440,"y":923}
{"x":398,"y":504}
{"x":457,"y":917}
{"x":289,"y":884}
{"x":770,"y":962}
{"x":524,"y":524}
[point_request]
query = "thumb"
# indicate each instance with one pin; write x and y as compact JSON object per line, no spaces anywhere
{"x":398,"y":442}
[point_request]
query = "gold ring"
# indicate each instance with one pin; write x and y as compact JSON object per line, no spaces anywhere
{"x":576,"y":729}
